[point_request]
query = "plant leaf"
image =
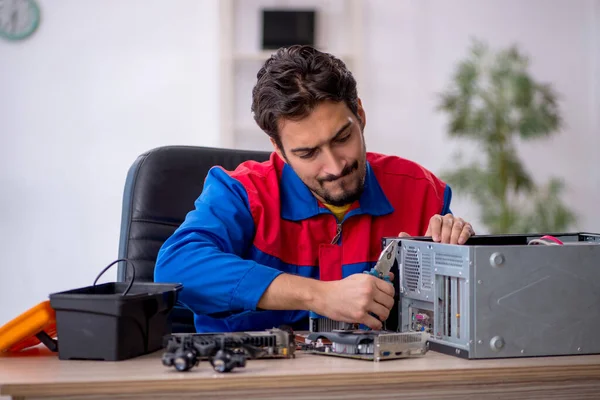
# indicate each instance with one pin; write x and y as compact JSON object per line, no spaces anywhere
{"x":493,"y":100}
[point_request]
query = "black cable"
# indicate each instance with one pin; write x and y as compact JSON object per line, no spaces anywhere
{"x":127,"y":262}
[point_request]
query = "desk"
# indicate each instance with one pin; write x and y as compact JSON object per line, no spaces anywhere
{"x":37,"y":373}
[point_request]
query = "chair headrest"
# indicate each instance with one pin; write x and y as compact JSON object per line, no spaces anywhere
{"x":161,"y":188}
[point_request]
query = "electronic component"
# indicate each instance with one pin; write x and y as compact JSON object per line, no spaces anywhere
{"x":367,"y":345}
{"x":318,"y":323}
{"x":226,"y":351}
{"x":421,"y":320}
{"x":381,"y":270}
{"x":501,"y":296}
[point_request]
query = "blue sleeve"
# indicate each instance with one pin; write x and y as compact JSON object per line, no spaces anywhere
{"x":205,"y":252}
{"x":447,"y":199}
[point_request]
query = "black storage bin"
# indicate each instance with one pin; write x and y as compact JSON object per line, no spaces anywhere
{"x":102,"y":323}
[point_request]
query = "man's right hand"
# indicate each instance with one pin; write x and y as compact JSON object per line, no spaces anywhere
{"x":352,"y":299}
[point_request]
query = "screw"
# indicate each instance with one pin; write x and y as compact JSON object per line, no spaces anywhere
{"x":480,"y":342}
{"x":471,"y":341}
{"x":460,"y":273}
{"x":496,"y":259}
{"x":457,"y":351}
{"x":522,"y":351}
{"x":579,"y":349}
{"x":426,"y":297}
{"x":479,"y":282}
{"x":435,"y":270}
{"x":497,"y":343}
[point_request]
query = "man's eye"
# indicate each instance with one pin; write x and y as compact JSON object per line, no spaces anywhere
{"x":343,"y":138}
{"x":308,"y":155}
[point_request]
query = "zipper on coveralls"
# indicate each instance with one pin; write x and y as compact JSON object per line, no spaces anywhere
{"x":338,"y":234}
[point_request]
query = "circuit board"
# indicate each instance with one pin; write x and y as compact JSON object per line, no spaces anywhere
{"x":271,"y":343}
{"x":228,"y":350}
{"x":367,"y":344}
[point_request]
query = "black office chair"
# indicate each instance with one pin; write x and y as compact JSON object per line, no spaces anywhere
{"x":160,"y":189}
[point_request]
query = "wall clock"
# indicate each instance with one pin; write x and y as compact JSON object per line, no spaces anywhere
{"x":18,"y":18}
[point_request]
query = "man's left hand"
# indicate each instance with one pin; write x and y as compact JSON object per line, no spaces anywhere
{"x":447,"y":229}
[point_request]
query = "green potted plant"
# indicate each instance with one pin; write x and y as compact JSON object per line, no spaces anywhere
{"x":493,"y":101}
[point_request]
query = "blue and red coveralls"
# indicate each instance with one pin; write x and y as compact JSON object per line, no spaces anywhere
{"x":254,"y":223}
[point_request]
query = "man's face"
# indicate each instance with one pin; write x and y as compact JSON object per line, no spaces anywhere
{"x":327,"y":151}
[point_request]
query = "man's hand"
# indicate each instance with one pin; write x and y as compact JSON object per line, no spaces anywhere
{"x":348,"y":300}
{"x":447,"y":229}
{"x":352,"y":299}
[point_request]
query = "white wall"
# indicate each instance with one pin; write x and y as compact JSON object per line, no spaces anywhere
{"x":334,"y":32}
{"x":99,"y":83}
{"x":412,"y":47}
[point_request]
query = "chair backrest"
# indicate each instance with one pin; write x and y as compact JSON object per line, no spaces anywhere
{"x":160,"y":189}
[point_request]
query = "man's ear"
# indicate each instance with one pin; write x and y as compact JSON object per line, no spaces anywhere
{"x":361,"y":114}
{"x":278,"y":150}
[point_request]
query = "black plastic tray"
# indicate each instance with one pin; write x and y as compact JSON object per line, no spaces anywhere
{"x":109,"y":322}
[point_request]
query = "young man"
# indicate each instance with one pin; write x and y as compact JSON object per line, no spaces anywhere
{"x":270,"y":241}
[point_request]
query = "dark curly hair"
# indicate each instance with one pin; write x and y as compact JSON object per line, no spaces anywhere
{"x":296,"y":79}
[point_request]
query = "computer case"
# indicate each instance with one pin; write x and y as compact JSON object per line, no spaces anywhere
{"x":499,"y":296}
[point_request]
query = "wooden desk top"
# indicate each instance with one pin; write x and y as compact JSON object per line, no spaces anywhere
{"x":37,"y":372}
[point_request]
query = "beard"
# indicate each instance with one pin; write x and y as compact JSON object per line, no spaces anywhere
{"x":350,"y":191}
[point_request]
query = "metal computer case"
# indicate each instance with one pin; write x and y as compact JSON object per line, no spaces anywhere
{"x":499,"y":297}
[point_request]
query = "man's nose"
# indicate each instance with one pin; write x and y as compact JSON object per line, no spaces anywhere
{"x":334,"y":165}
